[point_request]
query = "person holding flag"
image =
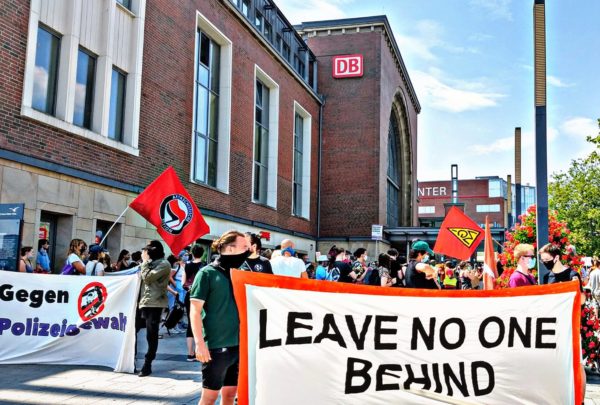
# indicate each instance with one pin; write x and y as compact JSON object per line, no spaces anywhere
{"x":419,"y":274}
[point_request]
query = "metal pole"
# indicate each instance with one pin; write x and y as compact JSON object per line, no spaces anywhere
{"x":541,"y":154}
{"x":113,"y":225}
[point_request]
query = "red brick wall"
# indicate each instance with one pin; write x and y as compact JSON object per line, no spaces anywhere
{"x":470,"y":192}
{"x":350,"y":156}
{"x":166,"y":111}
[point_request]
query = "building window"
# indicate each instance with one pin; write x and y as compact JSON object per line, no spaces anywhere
{"x":393,"y":174}
{"x":427,"y":210}
{"x":125,"y":3}
{"x":46,"y":71}
{"x":268,"y":31}
{"x":84,"y":89}
{"x":261,"y":143}
{"x":495,"y":188}
{"x":245,"y":7}
{"x":279,"y":43}
{"x":117,"y":105}
{"x":206,"y":126}
{"x":488,"y":208}
{"x":259,"y":21}
{"x":298,"y":161}
{"x":286,"y":51}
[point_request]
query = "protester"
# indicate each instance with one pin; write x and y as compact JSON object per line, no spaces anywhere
{"x":25,"y":261}
{"x":594,"y":279}
{"x":74,"y":263}
{"x":322,"y":272}
{"x":419,"y":274}
{"x":359,"y":266}
{"x":441,"y":275}
{"x":217,"y":334}
{"x":105,"y":260}
{"x":94,"y":266}
{"x":525,"y":259}
{"x":395,"y":267}
{"x":450,"y":281}
{"x":123,"y":261}
{"x":338,"y":267}
{"x":154,"y":272}
{"x":189,"y":274}
{"x":255,"y":262}
{"x":287,"y":264}
{"x":43,"y":260}
{"x":384,"y":262}
{"x":136,"y":259}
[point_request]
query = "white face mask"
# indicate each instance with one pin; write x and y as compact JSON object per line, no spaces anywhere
{"x":366,"y":258}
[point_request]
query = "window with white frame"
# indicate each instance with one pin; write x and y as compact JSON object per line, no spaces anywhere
{"x":69,"y":76}
{"x":488,"y":208}
{"x":266,"y":139}
{"x":212,"y":106}
{"x":427,"y":210}
{"x":301,"y":162}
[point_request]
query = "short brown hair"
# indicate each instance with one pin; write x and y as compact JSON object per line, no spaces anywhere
{"x":225,"y":240}
{"x":521,"y":249}
{"x":551,"y":249}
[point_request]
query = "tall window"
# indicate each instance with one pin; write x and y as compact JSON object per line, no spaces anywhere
{"x":207,"y":110}
{"x":117,"y":105}
{"x":46,"y":71}
{"x":84,"y":89}
{"x":393,"y":173}
{"x":298,"y":163}
{"x":125,"y":3}
{"x":261,"y":143}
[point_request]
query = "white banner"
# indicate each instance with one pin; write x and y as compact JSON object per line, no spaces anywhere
{"x":68,"y":319}
{"x":407,"y":346}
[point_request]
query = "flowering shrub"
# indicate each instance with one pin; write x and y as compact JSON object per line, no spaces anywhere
{"x":589,"y":337}
{"x":525,"y":232}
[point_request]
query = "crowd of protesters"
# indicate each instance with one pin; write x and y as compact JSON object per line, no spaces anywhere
{"x":200,"y":280}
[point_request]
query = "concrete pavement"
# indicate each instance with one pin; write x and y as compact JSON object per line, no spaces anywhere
{"x":173,"y":381}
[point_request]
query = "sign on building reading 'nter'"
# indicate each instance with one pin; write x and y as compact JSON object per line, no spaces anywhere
{"x":344,"y":66}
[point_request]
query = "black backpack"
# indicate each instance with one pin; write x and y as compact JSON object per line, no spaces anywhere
{"x":374,"y":277}
{"x":174,"y":315}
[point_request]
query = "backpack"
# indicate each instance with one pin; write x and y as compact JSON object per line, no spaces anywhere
{"x":374,"y":278}
{"x":174,"y":315}
{"x":68,"y":269}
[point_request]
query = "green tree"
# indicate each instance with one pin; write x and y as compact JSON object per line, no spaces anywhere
{"x":575,"y":195}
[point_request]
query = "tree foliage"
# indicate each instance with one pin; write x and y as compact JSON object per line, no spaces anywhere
{"x":575,"y":195}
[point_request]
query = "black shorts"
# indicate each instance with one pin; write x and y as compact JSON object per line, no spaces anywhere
{"x":222,"y":370}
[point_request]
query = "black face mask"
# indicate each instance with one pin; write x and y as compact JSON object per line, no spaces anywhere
{"x":233,"y":261}
{"x":549,"y":264}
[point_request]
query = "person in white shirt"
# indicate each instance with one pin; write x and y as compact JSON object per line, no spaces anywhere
{"x":94,"y":266}
{"x":287,"y":264}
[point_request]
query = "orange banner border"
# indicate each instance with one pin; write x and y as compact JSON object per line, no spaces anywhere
{"x":242,"y":278}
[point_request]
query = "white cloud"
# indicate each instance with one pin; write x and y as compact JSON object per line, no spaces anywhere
{"x":557,"y":82}
{"x":497,"y":9}
{"x":499,"y":145}
{"x":452,"y":95}
{"x":298,"y":11}
{"x":480,"y":37}
{"x":580,"y":127}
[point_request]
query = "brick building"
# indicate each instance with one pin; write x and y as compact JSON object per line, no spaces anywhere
{"x":482,"y":196}
{"x":98,"y":97}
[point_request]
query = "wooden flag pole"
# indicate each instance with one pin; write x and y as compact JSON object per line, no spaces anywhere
{"x":113,"y":225}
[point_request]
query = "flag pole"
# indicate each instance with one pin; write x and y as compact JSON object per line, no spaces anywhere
{"x":113,"y":225}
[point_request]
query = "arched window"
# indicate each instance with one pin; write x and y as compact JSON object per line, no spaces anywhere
{"x":393,"y":173}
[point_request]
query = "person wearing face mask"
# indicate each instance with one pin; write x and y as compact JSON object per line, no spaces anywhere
{"x":123,"y":261}
{"x":216,"y":335}
{"x":287,"y":264}
{"x":558,"y":273}
{"x":255,"y":261}
{"x":525,"y":259}
{"x":359,"y":267}
{"x":419,"y":274}
{"x":25,"y":262}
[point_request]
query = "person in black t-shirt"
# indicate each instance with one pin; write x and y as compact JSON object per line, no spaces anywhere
{"x":339,"y":269}
{"x":419,"y":274}
{"x":191,"y":269}
{"x":254,"y":262}
{"x":559,"y":273}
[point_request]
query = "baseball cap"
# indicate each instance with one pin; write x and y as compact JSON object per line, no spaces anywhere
{"x":97,"y":249}
{"x":422,"y":245}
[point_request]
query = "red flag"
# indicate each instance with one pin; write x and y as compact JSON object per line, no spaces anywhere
{"x":490,"y":273}
{"x":166,"y":204}
{"x":459,"y":235}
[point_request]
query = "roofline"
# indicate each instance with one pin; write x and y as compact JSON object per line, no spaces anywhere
{"x":362,"y":21}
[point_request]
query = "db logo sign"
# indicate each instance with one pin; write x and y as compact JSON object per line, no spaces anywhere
{"x":347,"y":66}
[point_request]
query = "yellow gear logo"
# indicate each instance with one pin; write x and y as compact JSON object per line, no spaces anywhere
{"x":466,"y":236}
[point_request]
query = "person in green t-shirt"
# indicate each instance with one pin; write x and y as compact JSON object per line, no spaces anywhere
{"x":212,"y":292}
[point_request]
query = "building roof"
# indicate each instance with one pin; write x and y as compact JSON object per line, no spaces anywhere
{"x":380,"y":20}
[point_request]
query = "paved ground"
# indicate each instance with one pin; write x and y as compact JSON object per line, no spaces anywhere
{"x":173,"y":381}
